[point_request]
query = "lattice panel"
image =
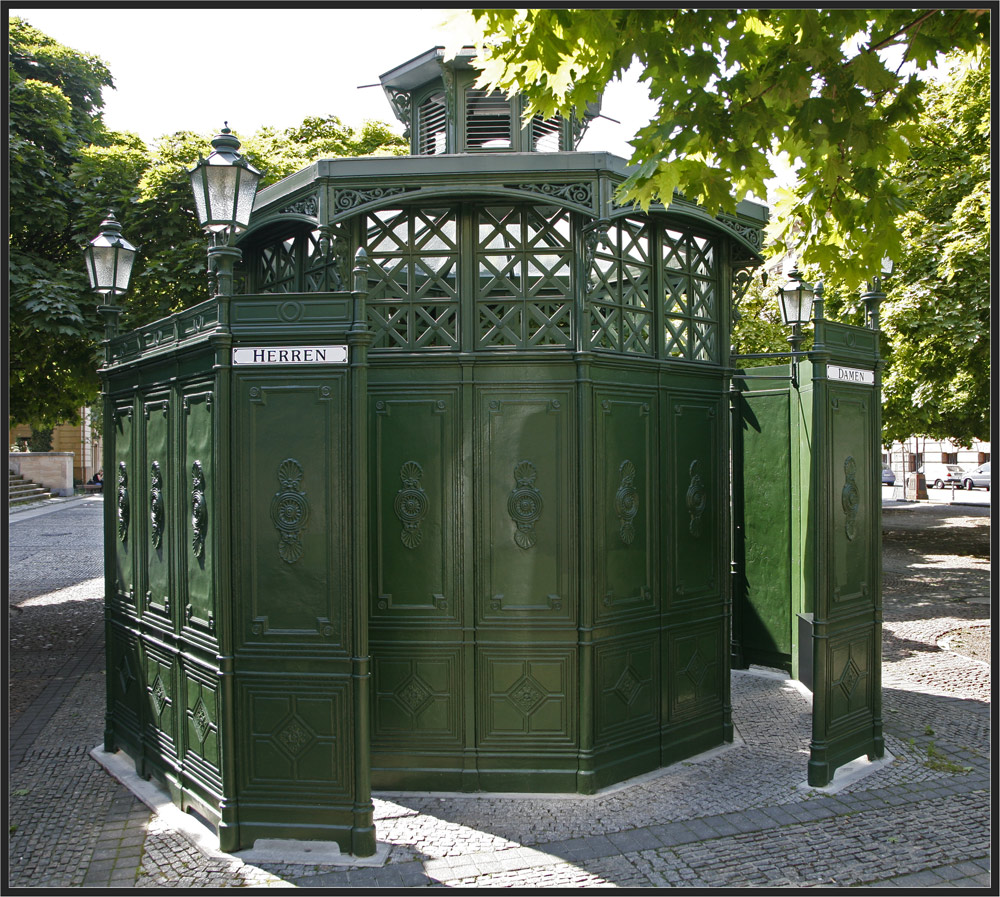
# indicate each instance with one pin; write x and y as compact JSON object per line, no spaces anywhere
{"x":620,"y":278}
{"x":524,"y":267}
{"x":702,"y":256}
{"x":675,"y":300}
{"x":703,"y":303}
{"x":675,"y":331}
{"x":705,"y":340}
{"x":276,"y":273}
{"x":690,"y":296}
{"x":675,"y":250}
{"x":413,"y":301}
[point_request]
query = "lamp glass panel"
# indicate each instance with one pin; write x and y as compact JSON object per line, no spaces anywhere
{"x":88,"y":256}
{"x":244,"y":201}
{"x":198,"y":188}
{"x":104,"y":268}
{"x":124,"y":269}
{"x":221,"y":196}
{"x":795,"y":306}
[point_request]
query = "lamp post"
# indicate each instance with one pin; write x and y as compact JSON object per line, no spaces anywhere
{"x":224,"y":187}
{"x":109,"y":258}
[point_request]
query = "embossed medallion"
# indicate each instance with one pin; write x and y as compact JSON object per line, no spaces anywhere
{"x":525,"y":504}
{"x":123,"y":502}
{"x":626,"y":502}
{"x":294,"y":736}
{"x":289,"y":510}
{"x":201,"y":721}
{"x":156,"y":515}
{"x":696,"y":498}
{"x":199,"y":510}
{"x":850,"y":497}
{"x":411,"y":504}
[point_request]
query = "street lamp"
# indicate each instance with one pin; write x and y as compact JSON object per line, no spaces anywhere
{"x":109,"y":258}
{"x":796,"y":300}
{"x":224,"y":187}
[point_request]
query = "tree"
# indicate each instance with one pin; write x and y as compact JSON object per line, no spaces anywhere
{"x":54,"y":103}
{"x":829,"y":89}
{"x":66,"y":170}
{"x":936,"y":319}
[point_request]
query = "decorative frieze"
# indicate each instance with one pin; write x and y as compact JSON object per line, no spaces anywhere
{"x":307,"y":205}
{"x":581,"y":192}
{"x":350,"y":199}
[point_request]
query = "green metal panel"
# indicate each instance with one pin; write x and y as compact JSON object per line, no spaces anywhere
{"x":764,"y":498}
{"x":198,"y":505}
{"x":624,"y":581}
{"x":846,"y":517}
{"x":694,"y":700}
{"x":292,"y":614}
{"x":155,"y":496}
{"x":421,"y":648}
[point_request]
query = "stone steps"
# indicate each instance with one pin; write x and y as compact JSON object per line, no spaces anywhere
{"x":20,"y":490}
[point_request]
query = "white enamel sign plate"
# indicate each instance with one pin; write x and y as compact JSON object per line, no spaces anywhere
{"x":850,"y":375}
{"x":290,"y":355}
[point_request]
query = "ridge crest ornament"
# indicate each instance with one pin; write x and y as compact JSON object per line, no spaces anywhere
{"x":411,"y":504}
{"x":290,"y":511}
{"x":525,"y":504}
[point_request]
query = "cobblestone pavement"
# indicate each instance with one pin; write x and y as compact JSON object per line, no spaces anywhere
{"x":734,"y":818}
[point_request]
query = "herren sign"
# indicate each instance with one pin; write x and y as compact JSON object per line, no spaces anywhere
{"x":290,"y":355}
{"x":850,"y":375}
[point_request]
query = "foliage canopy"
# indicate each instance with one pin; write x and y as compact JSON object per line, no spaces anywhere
{"x":54,"y":102}
{"x":66,"y":170}
{"x":828,"y":89}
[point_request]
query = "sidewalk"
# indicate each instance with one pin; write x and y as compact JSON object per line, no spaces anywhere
{"x":736,"y":817}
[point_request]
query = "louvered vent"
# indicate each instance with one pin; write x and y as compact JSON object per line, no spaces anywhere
{"x":545,"y":133}
{"x":488,"y":122}
{"x":432,"y":118}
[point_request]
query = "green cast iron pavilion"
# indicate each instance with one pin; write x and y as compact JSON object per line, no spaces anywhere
{"x":440,"y":498}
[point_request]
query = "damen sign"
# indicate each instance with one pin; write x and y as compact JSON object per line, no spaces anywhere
{"x":290,"y":355}
{"x":850,"y":375}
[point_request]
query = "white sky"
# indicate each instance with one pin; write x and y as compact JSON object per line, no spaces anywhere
{"x":193,"y":68}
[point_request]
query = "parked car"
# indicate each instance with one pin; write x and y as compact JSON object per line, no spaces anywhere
{"x":888,"y":477}
{"x":978,"y":478}
{"x":953,"y":476}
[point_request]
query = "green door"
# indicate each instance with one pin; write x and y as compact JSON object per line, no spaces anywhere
{"x":763,"y":490}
